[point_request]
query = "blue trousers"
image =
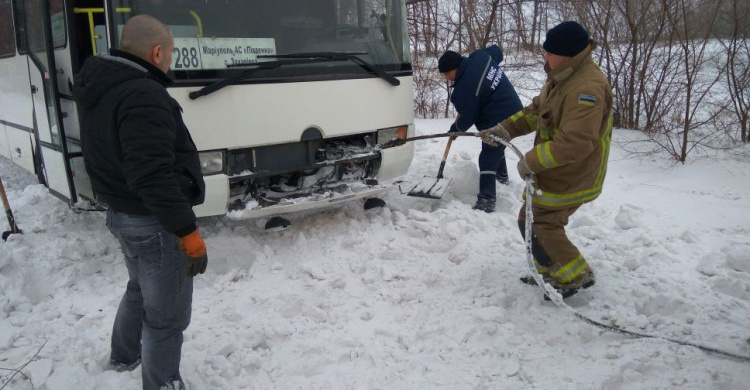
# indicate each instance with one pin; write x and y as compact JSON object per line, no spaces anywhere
{"x":491,"y":167}
{"x":156,"y":306}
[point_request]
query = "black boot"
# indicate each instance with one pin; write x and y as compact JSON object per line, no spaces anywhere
{"x":484,"y":204}
{"x":529,"y":279}
{"x":569,"y":292}
{"x":122,"y":367}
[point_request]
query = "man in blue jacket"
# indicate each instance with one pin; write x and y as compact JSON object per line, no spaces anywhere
{"x":483,"y":97}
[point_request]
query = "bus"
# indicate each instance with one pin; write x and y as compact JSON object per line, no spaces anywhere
{"x":287,"y":101}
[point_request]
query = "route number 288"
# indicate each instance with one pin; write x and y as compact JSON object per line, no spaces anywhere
{"x":185,"y":58}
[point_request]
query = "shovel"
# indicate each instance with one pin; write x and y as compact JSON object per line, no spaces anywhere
{"x":434,"y":188}
{"x":11,"y":221}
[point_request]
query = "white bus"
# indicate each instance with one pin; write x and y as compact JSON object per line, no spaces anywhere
{"x":285,"y":99}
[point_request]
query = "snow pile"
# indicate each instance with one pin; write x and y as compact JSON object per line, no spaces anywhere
{"x":420,"y":294}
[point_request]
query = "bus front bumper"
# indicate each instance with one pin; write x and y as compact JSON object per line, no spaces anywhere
{"x":217,"y":193}
{"x":395,"y":163}
{"x":326,"y":198}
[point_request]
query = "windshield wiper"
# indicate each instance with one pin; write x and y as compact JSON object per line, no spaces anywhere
{"x":292,"y":59}
{"x":211,"y":88}
{"x":341,"y":56}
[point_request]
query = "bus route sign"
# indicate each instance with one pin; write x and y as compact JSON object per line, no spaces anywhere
{"x":218,"y":53}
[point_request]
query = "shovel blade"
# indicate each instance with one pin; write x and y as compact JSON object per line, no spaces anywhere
{"x":430,"y":188}
{"x":7,"y":233}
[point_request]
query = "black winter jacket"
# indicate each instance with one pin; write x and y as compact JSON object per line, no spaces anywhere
{"x":136,"y":148}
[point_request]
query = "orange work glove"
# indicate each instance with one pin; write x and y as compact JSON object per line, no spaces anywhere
{"x":195,"y":250}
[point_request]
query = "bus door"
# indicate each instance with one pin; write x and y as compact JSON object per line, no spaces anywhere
{"x":39,"y":17}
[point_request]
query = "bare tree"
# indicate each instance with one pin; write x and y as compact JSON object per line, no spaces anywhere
{"x":629,"y":33}
{"x":691,"y":24}
{"x":737,"y":66}
{"x":679,"y":72}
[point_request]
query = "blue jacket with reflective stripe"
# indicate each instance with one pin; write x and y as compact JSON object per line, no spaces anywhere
{"x":482,"y":93}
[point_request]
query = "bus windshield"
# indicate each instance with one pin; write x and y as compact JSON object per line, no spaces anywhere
{"x":216,"y":38}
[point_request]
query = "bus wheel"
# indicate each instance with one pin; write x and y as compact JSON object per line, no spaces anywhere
{"x":277,"y":224}
{"x":372,"y":203}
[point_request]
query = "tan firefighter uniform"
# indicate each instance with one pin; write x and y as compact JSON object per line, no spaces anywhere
{"x":572,"y":117}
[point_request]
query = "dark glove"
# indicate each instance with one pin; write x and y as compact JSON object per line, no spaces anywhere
{"x":454,"y":129}
{"x":195,"y":250}
{"x":524,"y":170}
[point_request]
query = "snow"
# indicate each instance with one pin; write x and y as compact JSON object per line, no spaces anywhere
{"x":420,"y":294}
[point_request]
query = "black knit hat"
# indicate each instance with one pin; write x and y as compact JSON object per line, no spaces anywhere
{"x":448,"y":61}
{"x":566,"y":39}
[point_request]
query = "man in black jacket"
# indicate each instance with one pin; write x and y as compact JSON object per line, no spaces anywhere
{"x":144,"y":166}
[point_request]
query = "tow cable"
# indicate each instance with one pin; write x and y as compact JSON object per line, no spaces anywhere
{"x":550,"y":291}
{"x":555,"y":297}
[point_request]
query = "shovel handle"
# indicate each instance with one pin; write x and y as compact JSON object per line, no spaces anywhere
{"x":445,"y":156}
{"x":448,"y":147}
{"x":6,"y":205}
{"x":8,"y":212}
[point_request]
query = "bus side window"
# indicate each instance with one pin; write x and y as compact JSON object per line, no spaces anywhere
{"x":20,"y":21}
{"x":7,"y":42}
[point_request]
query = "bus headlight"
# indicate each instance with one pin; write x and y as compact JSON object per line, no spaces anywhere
{"x":389,"y":134}
{"x":211,"y":162}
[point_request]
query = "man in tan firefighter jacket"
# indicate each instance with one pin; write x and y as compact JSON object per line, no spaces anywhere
{"x":572,"y":118}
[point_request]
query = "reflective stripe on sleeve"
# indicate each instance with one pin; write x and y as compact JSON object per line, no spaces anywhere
{"x":531,"y":120}
{"x":606,"y":141}
{"x":481,"y":79}
{"x":544,"y":155}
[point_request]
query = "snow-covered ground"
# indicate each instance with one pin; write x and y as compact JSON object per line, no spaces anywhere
{"x":422,"y":294}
